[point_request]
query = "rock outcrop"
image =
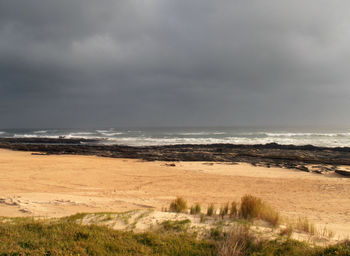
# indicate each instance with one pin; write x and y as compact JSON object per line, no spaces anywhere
{"x":269,"y":155}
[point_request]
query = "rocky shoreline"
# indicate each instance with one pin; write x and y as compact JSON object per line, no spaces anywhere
{"x":305,"y":158}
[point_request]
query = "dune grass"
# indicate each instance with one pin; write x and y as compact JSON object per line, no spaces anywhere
{"x":176,"y":225}
{"x":224,"y":210}
{"x":241,"y":242}
{"x":24,"y":236}
{"x":67,"y":236}
{"x":250,"y":208}
{"x":303,"y":224}
{"x":210,"y":210}
{"x":254,"y":208}
{"x":234,"y":209}
{"x":29,"y":237}
{"x":178,"y":205}
{"x":195,"y":209}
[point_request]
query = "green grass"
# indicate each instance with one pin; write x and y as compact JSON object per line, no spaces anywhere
{"x":294,"y":248}
{"x":26,"y":236}
{"x":176,"y":225}
{"x":241,"y":242}
{"x":62,"y":237}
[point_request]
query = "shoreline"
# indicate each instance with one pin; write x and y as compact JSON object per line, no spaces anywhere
{"x":322,"y":160}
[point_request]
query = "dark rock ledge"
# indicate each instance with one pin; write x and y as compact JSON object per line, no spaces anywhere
{"x":269,"y":155}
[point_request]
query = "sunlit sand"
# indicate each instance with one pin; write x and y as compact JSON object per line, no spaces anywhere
{"x":59,"y":185}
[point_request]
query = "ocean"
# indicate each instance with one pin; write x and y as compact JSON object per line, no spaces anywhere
{"x":198,"y":135}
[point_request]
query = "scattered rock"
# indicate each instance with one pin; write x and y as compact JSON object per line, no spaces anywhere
{"x":25,"y":211}
{"x":268,"y":155}
{"x":303,"y":168}
{"x":342,"y":172}
{"x":8,"y":201}
{"x":39,"y":154}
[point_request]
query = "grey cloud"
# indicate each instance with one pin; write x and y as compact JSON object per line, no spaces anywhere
{"x":158,"y":62}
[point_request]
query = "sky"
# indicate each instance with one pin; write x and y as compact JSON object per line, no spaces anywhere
{"x":85,"y":63}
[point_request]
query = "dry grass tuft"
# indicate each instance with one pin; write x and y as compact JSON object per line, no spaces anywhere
{"x":303,"y":224}
{"x":210,"y":210}
{"x":325,"y":232}
{"x":195,"y":209}
{"x":202,"y":218}
{"x":224,"y":210}
{"x":253,"y":207}
{"x":234,"y":209}
{"x":250,"y":207}
{"x":270,"y":215}
{"x":236,"y":242}
{"x":178,"y":205}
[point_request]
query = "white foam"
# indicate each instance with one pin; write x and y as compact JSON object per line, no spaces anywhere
{"x":102,"y":131}
{"x":40,"y":131}
{"x":306,"y":134}
{"x":193,"y":133}
{"x":111,"y":133}
{"x":171,"y":137}
{"x":25,"y":136}
{"x":199,"y":133}
{"x":80,"y":133}
{"x":35,"y":136}
{"x":151,"y":141}
{"x":75,"y":136}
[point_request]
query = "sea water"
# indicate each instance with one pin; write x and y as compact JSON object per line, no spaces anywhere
{"x":193,"y":135}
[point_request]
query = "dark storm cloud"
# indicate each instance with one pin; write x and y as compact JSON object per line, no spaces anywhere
{"x":157,"y":62}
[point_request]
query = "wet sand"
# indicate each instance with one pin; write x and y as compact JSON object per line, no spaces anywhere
{"x":59,"y":185}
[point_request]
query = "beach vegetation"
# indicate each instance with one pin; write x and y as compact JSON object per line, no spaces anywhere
{"x":211,"y":210}
{"x":254,"y":208}
{"x":68,"y":236}
{"x":224,"y":210}
{"x":176,"y":225}
{"x":325,"y":232}
{"x":195,"y":209}
{"x":62,"y":237}
{"x":217,"y":233}
{"x":236,"y":242}
{"x":202,"y":218}
{"x":240,"y":241}
{"x":303,"y":224}
{"x":234,"y":209}
{"x":178,"y":205}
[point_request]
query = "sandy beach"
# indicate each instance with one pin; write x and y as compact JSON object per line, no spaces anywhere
{"x":60,"y":185}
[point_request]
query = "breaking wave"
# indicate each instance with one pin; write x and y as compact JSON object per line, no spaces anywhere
{"x":40,"y":131}
{"x":171,"y":136}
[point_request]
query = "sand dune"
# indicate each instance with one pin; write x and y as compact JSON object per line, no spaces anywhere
{"x":41,"y":185}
